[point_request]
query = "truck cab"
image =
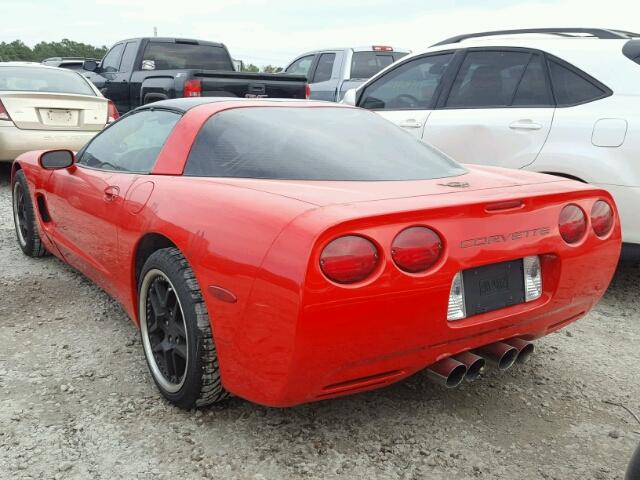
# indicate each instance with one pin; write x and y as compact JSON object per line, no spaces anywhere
{"x":332,"y":72}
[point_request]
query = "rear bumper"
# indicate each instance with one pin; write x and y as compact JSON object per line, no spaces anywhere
{"x":627,"y":200}
{"x":15,"y":141}
{"x":329,"y":349}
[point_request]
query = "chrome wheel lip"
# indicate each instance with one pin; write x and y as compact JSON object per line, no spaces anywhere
{"x":17,"y":190}
{"x":146,"y":342}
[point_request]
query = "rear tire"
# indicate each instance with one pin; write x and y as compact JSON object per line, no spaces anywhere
{"x":24,"y":218}
{"x":176,"y":333}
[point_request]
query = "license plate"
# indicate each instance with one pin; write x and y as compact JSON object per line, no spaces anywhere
{"x":59,"y":117}
{"x":493,"y":286}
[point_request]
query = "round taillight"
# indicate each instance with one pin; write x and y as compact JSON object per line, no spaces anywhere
{"x":416,"y":249}
{"x":572,"y":223}
{"x":601,"y":218}
{"x":349,"y":259}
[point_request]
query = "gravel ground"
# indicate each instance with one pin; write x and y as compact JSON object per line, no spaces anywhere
{"x":76,"y":401}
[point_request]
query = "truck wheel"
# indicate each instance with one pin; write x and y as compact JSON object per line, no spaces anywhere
{"x":176,"y":333}
{"x":24,"y":219}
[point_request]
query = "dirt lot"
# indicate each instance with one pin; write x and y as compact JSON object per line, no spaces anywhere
{"x":76,"y":401}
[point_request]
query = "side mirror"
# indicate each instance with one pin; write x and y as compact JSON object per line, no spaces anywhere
{"x":350,"y":97}
{"x":90,"y":65}
{"x":57,"y":159}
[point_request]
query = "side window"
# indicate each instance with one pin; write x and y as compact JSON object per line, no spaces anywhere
{"x":410,"y":86}
{"x":487,"y":79}
{"x":131,"y":144}
{"x":324,"y":68}
{"x":571,"y":88}
{"x":111,"y":61}
{"x":301,"y":66}
{"x":533,"y":90}
{"x":129,"y":56}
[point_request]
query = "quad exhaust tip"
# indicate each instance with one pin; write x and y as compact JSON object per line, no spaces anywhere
{"x":468,"y":366}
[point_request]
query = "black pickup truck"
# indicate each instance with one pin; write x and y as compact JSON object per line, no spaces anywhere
{"x":138,"y":71}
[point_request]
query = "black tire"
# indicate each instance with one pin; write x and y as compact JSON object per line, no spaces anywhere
{"x":24,"y":218}
{"x":180,"y":352}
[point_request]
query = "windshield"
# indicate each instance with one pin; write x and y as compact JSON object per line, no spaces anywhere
{"x":367,"y":64}
{"x":39,"y":79}
{"x":175,"y":56}
{"x":326,"y":143}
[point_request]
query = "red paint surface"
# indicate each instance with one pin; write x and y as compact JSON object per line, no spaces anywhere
{"x":293,"y":336}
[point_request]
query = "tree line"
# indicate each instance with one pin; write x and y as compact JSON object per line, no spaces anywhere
{"x":18,"y":51}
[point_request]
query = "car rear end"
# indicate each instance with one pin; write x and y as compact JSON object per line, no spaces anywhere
{"x":48,"y":108}
{"x":392,"y":287}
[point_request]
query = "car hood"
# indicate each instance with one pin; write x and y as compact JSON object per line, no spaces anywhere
{"x":324,"y":193}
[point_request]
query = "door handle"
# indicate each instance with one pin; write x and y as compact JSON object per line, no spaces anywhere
{"x":525,"y":125}
{"x":111,"y":193}
{"x":410,"y":124}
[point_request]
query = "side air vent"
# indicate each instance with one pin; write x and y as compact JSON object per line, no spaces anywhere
{"x":43,"y":211}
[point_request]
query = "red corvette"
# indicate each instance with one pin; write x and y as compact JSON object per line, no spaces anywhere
{"x":287,"y":252}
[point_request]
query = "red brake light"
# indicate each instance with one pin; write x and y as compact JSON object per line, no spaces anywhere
{"x":416,"y":249}
{"x":572,"y":223}
{"x":349,"y":259}
{"x":4,"y":115}
{"x":382,"y":48}
{"x":307,"y":91}
{"x":192,"y":88}
{"x":112,"y":112}
{"x":601,"y":218}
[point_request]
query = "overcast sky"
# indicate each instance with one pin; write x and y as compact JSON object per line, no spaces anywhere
{"x":274,"y":31}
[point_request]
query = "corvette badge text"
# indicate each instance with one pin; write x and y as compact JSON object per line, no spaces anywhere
{"x":477,"y":242}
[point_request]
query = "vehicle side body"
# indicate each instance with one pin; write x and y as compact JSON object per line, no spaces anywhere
{"x":285,"y":334}
{"x":33,"y":119}
{"x":594,"y":141}
{"x":130,"y":75}
{"x":331,"y":72}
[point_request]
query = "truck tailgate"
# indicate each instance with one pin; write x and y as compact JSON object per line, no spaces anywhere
{"x":251,"y":85}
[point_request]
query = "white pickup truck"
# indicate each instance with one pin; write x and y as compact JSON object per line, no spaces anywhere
{"x":333,"y":71}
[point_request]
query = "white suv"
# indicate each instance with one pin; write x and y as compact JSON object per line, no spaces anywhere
{"x":560,"y":101}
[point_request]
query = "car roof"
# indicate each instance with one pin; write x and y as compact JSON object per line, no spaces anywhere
{"x":29,"y":65}
{"x":173,"y":40}
{"x":368,"y":48}
{"x":186,"y":104}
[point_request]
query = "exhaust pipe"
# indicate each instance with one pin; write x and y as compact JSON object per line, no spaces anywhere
{"x":525,"y":349}
{"x":447,"y":372}
{"x":499,"y":354}
{"x":474,"y":365}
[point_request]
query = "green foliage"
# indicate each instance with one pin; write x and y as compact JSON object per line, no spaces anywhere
{"x":271,"y":69}
{"x":250,"y":68}
{"x":18,"y":51}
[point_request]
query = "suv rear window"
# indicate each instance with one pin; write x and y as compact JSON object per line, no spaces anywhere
{"x":570,"y":87}
{"x":41,"y":79}
{"x":176,"y":56}
{"x":366,"y":64}
{"x":330,"y":143}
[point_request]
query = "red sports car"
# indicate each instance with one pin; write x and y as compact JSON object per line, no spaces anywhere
{"x":287,"y":252}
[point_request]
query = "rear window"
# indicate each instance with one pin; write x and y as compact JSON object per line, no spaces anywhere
{"x":176,"y":56}
{"x":367,"y":64}
{"x":339,"y":144}
{"x":571,"y":88}
{"x":33,"y":79}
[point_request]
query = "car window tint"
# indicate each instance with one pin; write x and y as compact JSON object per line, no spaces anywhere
{"x":571,"y":88}
{"x":131,"y":144}
{"x":111,"y":61}
{"x":410,"y":86}
{"x":487,"y":79}
{"x":324,"y":68}
{"x":129,"y":56}
{"x":533,"y":89}
{"x":365,"y":65}
{"x":43,"y":79}
{"x":174,"y":56}
{"x":301,"y":66}
{"x":329,"y":143}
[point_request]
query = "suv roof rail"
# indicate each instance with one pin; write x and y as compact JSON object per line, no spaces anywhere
{"x":595,"y":32}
